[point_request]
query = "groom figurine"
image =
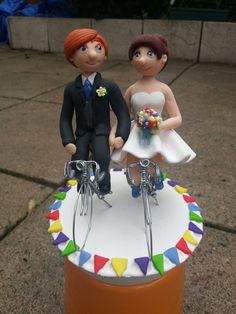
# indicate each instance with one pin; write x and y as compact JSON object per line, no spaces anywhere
{"x":90,"y":97}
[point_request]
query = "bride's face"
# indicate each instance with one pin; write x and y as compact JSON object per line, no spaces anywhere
{"x":145,"y":61}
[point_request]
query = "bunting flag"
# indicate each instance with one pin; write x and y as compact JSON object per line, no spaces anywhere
{"x":194,"y":228}
{"x":53,"y":215}
{"x":55,"y":227}
{"x":164,"y":176}
{"x":64,"y":188}
{"x":99,"y":262}
{"x":158,"y":262}
{"x":117,"y":169}
{"x":180,"y":189}
{"x":193,"y":216}
{"x":188,"y":237}
{"x":70,"y":248}
{"x":55,"y":205}
{"x":143,"y":263}
{"x":172,"y":183}
{"x":60,"y":196}
{"x":84,"y":257}
{"x":189,"y":199}
{"x":194,"y":207}
{"x":71,"y":182}
{"x":182,"y":246}
{"x":61,"y":238}
{"x":172,"y":255}
{"x":119,"y":265}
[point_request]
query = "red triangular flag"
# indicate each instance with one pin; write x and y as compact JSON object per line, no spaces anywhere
{"x":189,"y":199}
{"x":53,"y":215}
{"x":182,"y":246}
{"x":99,"y":262}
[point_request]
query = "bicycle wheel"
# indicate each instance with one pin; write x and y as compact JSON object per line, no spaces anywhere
{"x":147,"y":219}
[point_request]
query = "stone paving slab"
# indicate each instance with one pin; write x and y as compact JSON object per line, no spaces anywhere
{"x":27,"y":85}
{"x":31,"y":269}
{"x":15,"y":195}
{"x":38,"y":63}
{"x":33,"y":276}
{"x":31,"y":134}
{"x":210,"y":275}
{"x":206,"y":96}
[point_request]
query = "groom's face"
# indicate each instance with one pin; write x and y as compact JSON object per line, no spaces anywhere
{"x":89,"y":57}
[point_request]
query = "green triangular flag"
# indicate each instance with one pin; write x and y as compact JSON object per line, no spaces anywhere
{"x":60,"y":196}
{"x":70,"y":248}
{"x":164,"y":175}
{"x":193,"y":216}
{"x":158,"y":262}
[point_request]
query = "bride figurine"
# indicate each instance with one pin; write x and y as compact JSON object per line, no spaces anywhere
{"x":148,"y":54}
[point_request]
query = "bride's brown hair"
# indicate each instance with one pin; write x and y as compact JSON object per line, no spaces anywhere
{"x":154,"y":41}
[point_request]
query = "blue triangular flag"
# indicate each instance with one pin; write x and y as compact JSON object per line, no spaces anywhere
{"x":193,"y":207}
{"x":84,"y":257}
{"x":143,"y":263}
{"x":55,"y":205}
{"x":172,"y":255}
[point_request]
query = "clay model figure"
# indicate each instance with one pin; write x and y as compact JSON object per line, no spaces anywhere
{"x":90,"y":97}
{"x":149,"y":55}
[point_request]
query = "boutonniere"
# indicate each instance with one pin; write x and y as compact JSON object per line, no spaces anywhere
{"x":101,"y":91}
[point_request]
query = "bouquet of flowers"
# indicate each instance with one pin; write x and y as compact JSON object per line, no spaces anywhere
{"x":147,"y":120}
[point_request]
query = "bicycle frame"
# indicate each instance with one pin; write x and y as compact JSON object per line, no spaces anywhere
{"x":147,"y":189}
{"x":80,"y":169}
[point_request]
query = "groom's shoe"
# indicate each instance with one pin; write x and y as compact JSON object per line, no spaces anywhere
{"x":105,"y":189}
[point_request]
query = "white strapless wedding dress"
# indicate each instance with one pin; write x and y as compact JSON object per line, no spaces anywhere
{"x":167,"y":143}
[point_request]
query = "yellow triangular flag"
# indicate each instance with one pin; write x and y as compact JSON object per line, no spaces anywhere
{"x":119,"y":265}
{"x":55,"y":227}
{"x":188,"y":237}
{"x":71,"y":182}
{"x":180,"y":189}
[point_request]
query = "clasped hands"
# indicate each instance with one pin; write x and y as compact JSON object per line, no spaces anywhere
{"x":115,"y":142}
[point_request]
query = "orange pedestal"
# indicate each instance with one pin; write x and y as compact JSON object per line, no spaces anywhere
{"x":86,"y":295}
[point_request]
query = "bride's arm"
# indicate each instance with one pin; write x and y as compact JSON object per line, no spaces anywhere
{"x":175,"y":119}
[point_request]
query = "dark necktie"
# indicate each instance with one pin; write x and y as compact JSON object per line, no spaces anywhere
{"x":88,"y":108}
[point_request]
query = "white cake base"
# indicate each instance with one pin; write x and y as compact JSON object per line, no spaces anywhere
{"x":118,"y":232}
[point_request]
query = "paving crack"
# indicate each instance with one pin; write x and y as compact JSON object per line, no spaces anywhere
{"x":220,"y":227}
{"x":11,"y":227}
{"x":32,"y":98}
{"x":182,"y":72}
{"x":33,"y":179}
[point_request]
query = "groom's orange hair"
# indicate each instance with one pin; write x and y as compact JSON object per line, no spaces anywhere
{"x":79,"y":37}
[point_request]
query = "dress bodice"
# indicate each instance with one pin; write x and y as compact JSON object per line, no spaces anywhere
{"x":142,"y":100}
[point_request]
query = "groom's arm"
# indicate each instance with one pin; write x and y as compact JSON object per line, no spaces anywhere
{"x":121,"y":111}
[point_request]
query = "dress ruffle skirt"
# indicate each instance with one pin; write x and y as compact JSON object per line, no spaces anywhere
{"x":169,"y":144}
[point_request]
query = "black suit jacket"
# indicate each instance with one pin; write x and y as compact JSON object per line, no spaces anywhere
{"x":74,"y":100}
